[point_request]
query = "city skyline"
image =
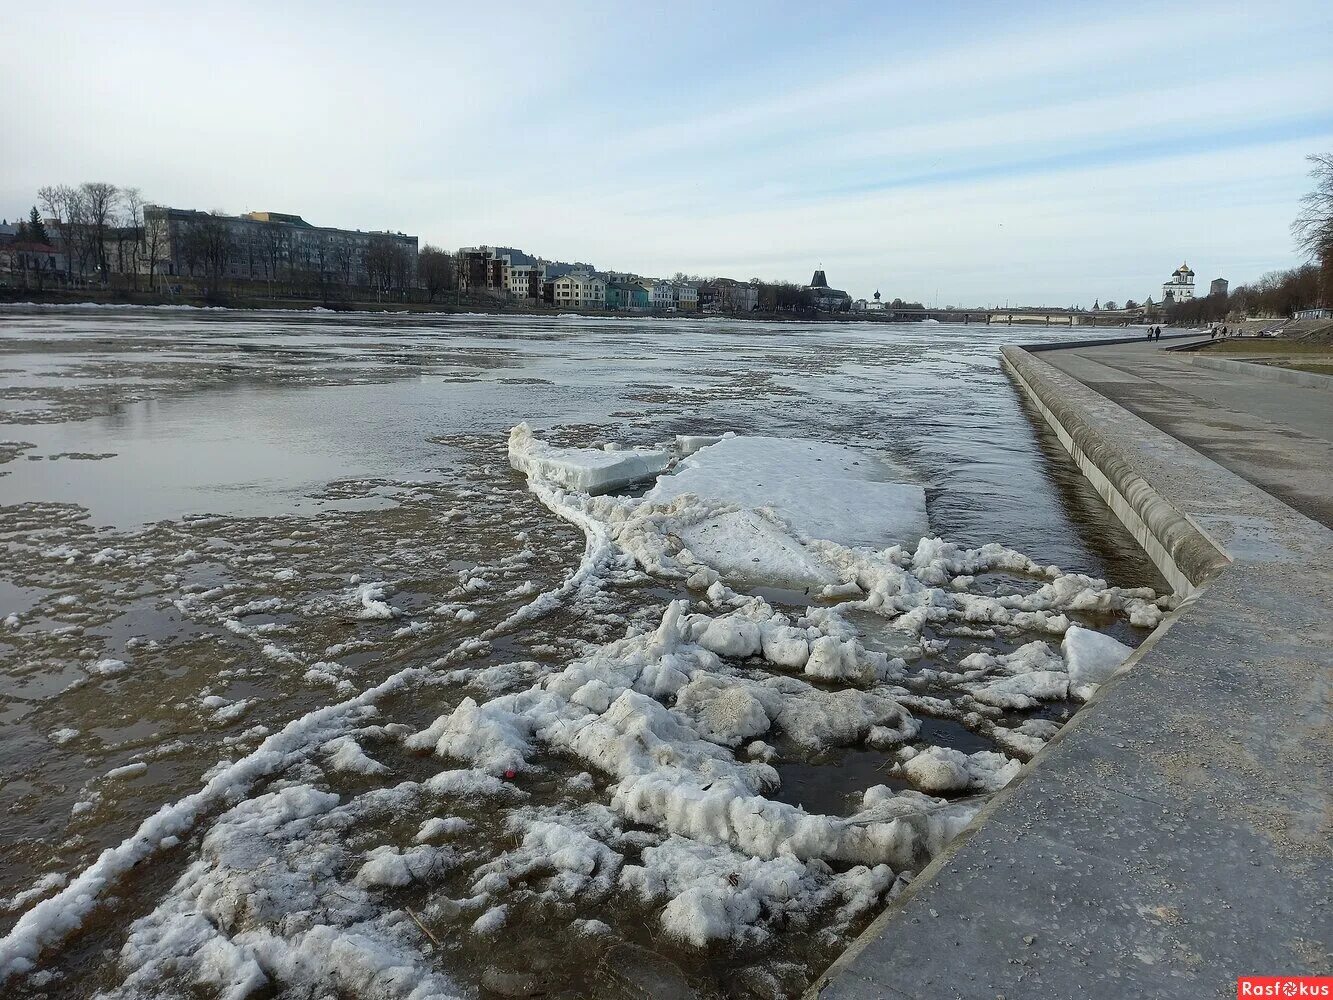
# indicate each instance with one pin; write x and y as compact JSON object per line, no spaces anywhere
{"x":947,"y":159}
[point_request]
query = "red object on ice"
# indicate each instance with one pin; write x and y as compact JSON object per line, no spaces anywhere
{"x":509,"y":774}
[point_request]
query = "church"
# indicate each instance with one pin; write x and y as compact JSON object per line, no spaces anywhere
{"x":1181,"y":286}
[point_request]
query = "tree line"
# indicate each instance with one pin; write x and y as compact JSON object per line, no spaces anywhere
{"x":1281,"y":293}
{"x":1277,"y":293}
{"x":98,"y":226}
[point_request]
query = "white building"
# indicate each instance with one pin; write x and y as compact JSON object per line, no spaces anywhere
{"x":687,"y":296}
{"x":524,"y":281}
{"x":580,"y":290}
{"x":661,"y":296}
{"x":1181,"y":286}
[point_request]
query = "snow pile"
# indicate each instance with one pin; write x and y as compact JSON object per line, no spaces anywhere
{"x":265,"y":908}
{"x":715,"y":894}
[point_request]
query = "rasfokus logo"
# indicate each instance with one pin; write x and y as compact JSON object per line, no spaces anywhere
{"x":1284,"y":986}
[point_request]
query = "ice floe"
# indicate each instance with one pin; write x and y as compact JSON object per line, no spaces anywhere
{"x":589,"y":470}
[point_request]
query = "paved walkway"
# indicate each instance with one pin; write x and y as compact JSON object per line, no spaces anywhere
{"x":1277,"y":436}
{"x":1178,"y":832}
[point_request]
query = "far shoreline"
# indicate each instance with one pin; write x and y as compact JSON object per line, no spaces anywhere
{"x":119,"y":301}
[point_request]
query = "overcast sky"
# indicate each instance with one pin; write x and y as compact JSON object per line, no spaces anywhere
{"x":952,"y":153}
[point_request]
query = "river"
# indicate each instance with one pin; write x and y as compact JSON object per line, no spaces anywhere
{"x":219,"y":522}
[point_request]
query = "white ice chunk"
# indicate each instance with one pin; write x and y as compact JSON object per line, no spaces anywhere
{"x":688,"y":444}
{"x":942,"y":769}
{"x":588,"y":470}
{"x":824,"y":490}
{"x":345,"y":754}
{"x":1091,"y":658}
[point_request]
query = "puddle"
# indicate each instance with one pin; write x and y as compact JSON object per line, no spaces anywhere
{"x":834,"y":787}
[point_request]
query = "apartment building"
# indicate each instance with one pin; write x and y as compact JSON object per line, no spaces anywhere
{"x":271,"y":245}
{"x":578,"y":290}
{"x":727,"y":295}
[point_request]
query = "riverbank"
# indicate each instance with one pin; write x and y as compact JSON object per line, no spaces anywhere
{"x":1176,"y":834}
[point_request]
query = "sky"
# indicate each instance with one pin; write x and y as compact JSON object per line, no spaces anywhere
{"x":951,"y":153}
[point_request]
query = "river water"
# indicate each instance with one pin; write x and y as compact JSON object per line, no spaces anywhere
{"x":216,"y":523}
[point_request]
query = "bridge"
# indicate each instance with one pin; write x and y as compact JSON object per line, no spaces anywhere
{"x":1024,"y":315}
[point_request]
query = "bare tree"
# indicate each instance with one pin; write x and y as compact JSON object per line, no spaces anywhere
{"x":381,"y":264}
{"x":436,"y":270}
{"x":344,"y":262}
{"x":129,"y":235}
{"x":64,"y":205}
{"x":99,"y":202}
{"x":270,"y":251}
{"x":154,"y":242}
{"x":1313,"y":226}
{"x":323,"y":261}
{"x":209,"y":244}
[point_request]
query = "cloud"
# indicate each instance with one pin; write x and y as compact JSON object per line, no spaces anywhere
{"x":1041,"y":153}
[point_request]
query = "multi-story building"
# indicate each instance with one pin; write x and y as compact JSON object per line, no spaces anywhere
{"x":480,"y":269}
{"x":30,"y":265}
{"x":272,"y":245}
{"x":661,"y":296}
{"x":624,"y":295}
{"x":687,"y":296}
{"x":524,"y":281}
{"x":1180,"y":287}
{"x":579,"y":290}
{"x":727,"y":295}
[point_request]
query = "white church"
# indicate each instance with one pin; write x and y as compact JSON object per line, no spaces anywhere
{"x":1181,"y":286}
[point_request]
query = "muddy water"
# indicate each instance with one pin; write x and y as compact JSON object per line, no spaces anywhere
{"x":190,"y":503}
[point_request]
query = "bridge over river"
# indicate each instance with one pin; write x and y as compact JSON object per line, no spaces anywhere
{"x":1027,"y":315}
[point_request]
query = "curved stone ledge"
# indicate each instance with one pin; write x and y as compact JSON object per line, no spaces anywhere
{"x":1187,"y":557}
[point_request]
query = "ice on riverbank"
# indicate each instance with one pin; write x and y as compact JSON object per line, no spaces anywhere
{"x":632,"y":773}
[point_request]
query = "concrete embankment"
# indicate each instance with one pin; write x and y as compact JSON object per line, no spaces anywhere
{"x":1178,"y":832}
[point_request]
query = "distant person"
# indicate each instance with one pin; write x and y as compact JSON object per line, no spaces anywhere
{"x":1224,"y":331}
